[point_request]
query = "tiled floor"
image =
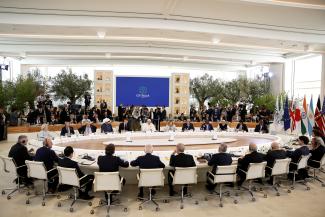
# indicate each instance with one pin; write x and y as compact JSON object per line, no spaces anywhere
{"x":299,"y":203}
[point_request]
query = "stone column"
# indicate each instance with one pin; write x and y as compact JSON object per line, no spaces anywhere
{"x":277,"y":79}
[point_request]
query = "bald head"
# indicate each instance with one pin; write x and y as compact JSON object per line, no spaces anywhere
{"x":275,"y":146}
{"x":48,"y":142}
{"x":252,"y":147}
{"x":148,"y":149}
{"x":222,"y":148}
{"x":180,"y":148}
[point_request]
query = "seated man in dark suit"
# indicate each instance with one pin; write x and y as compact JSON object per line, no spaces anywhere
{"x":46,"y":155}
{"x":274,"y":153}
{"x":317,"y":151}
{"x":261,"y":127}
{"x":20,"y":153}
{"x":106,"y":126}
{"x":179,"y":160}
{"x":219,"y":159}
{"x":223,"y":126}
{"x":87,"y":128}
{"x":67,"y":162}
{"x":124,"y":126}
{"x":67,"y":130}
{"x":206,"y":126}
{"x":243,"y":162}
{"x":111,"y":163}
{"x":147,"y":161}
{"x":295,"y":155}
{"x":187,"y":126}
{"x":241,"y":126}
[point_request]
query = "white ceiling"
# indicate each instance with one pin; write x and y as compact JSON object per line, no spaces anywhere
{"x":164,"y":32}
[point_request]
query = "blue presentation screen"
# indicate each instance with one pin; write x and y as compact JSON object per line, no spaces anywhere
{"x":142,"y":91}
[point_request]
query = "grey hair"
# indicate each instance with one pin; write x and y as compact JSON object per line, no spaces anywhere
{"x":180,"y":147}
{"x":21,"y":137}
{"x":148,"y":149}
{"x":222,"y":148}
{"x":252,"y":147}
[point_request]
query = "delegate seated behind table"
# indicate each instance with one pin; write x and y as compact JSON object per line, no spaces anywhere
{"x":111,"y":163}
{"x":46,"y":155}
{"x":206,"y":126}
{"x":106,"y":126}
{"x":87,"y":128}
{"x":187,"y":126}
{"x":67,"y":162}
{"x":124,"y":126}
{"x":219,"y":159}
{"x":179,"y":159}
{"x":20,"y":154}
{"x":147,"y":161}
{"x":223,"y":126}
{"x":317,"y":151}
{"x":170,"y":127}
{"x":274,"y":153}
{"x":67,"y":130}
{"x":44,"y":133}
{"x":148,"y":126}
{"x":261,"y":127}
{"x":241,"y":126}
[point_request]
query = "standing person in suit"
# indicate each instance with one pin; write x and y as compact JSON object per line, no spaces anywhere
{"x":261,"y":127}
{"x":219,"y":159}
{"x":87,"y":129}
{"x":241,"y":126}
{"x":147,"y":161}
{"x":20,"y":154}
{"x":106,"y":126}
{"x":243,"y":162}
{"x":206,"y":126}
{"x":46,"y":155}
{"x":67,"y":162}
{"x":111,"y":163}
{"x":67,"y":130}
{"x":124,"y":126}
{"x":274,"y":153}
{"x":317,"y":151}
{"x":179,"y":159}
{"x":187,"y":126}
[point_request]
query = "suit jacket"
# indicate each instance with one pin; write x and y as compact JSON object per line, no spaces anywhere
{"x":187,"y":127}
{"x":68,"y":163}
{"x":316,"y":155}
{"x":296,"y":154}
{"x":46,"y":155}
{"x":182,"y":160}
{"x":106,"y":128}
{"x":83,"y":129}
{"x":223,"y":127}
{"x":264,"y":128}
{"x":148,"y":161}
{"x":206,"y":127}
{"x":19,"y":153}
{"x":111,"y":163}
{"x":64,"y":131}
{"x":219,"y":159}
{"x":122,"y":127}
{"x":271,"y":156}
{"x":243,"y":128}
{"x":253,"y":157}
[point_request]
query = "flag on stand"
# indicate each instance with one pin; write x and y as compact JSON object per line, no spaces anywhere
{"x":298,"y":118}
{"x":286,"y":116}
{"x":310,"y":116}
{"x":319,"y":119}
{"x":277,"y":117}
{"x":292,"y":116}
{"x":323,"y":108}
{"x":304,"y":117}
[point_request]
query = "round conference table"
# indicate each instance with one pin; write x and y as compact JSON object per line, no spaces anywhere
{"x":131,"y":145}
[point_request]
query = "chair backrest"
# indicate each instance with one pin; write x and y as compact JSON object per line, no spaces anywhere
{"x":9,"y":165}
{"x":107,"y":181}
{"x":225,"y":174}
{"x":68,"y":176}
{"x":303,"y":161}
{"x":256,"y":170}
{"x":185,"y":175}
{"x":322,"y":161}
{"x":281,"y":166}
{"x":36,"y":170}
{"x":151,"y":177}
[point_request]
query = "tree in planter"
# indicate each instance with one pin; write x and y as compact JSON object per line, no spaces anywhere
{"x":205,"y":87}
{"x":68,"y":85}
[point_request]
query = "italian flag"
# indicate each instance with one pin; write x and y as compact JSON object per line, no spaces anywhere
{"x":304,"y":117}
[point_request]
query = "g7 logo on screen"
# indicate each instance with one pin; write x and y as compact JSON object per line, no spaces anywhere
{"x":142,"y":92}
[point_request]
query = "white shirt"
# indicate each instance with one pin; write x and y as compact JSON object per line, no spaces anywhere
{"x":148,"y":127}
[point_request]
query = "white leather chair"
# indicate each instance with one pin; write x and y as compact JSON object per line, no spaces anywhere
{"x":321,"y":164}
{"x":38,"y":171}
{"x":108,"y":182}
{"x":224,"y":174}
{"x":301,"y":164}
{"x":150,"y":178}
{"x":10,"y":167}
{"x":255,"y":171}
{"x":69,"y":176}
{"x":280,"y":168}
{"x":184,"y":176}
